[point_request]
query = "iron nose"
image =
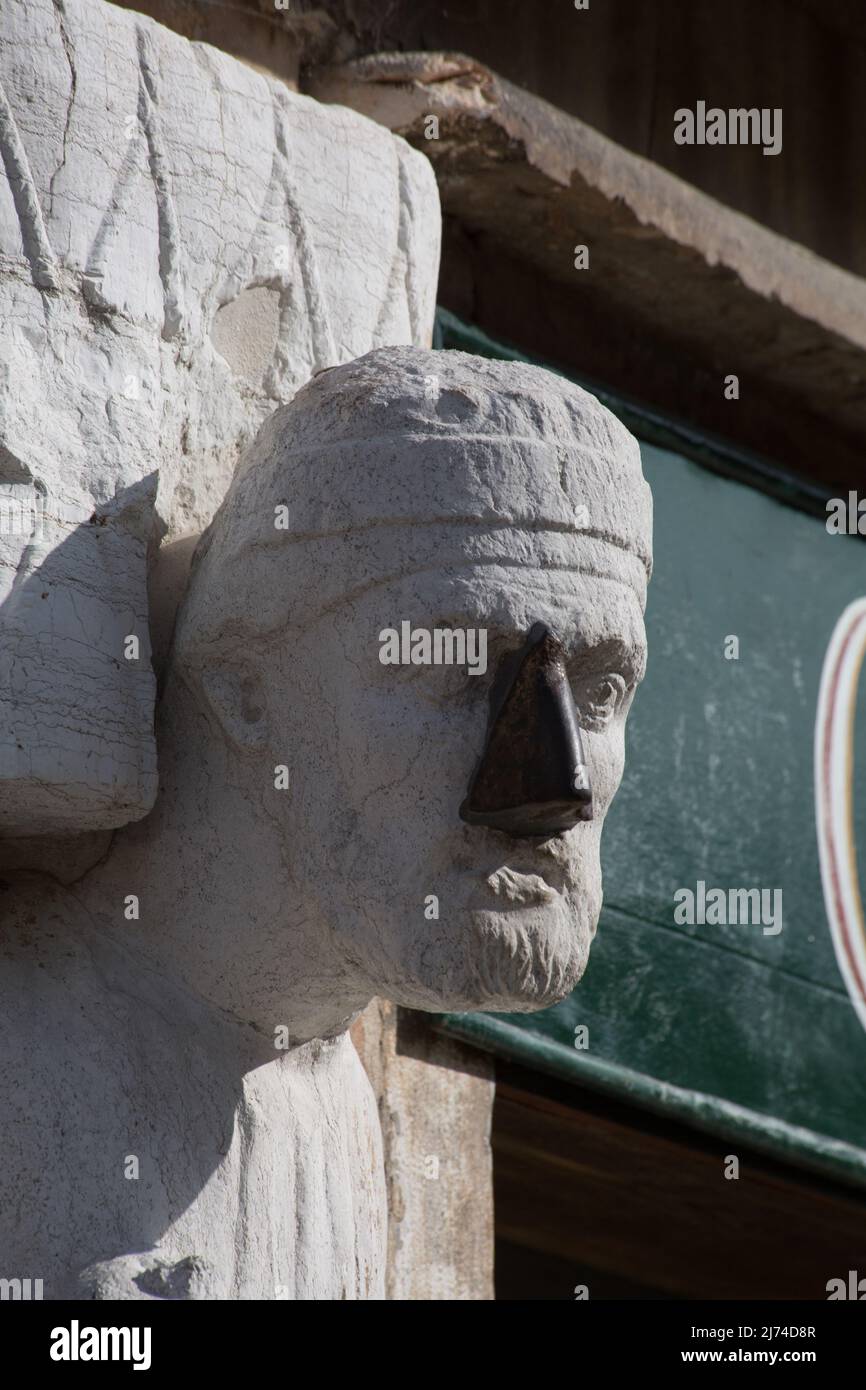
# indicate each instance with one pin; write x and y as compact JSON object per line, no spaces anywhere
{"x":532,"y":778}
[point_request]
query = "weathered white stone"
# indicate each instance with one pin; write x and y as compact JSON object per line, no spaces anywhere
{"x":435,"y":1098}
{"x":183,"y":242}
{"x":446,"y":491}
{"x":258,"y":1173}
{"x":433,"y":487}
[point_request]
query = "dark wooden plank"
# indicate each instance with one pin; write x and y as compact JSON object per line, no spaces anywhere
{"x":649,"y":1208}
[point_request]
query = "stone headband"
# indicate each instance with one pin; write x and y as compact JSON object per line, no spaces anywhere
{"x":408,"y":460}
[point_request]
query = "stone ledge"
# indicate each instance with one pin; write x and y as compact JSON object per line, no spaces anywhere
{"x":681,"y":290}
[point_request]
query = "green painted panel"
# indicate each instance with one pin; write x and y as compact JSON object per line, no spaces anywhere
{"x":718,"y":787}
{"x":724,"y":748}
{"x":688,"y":1013}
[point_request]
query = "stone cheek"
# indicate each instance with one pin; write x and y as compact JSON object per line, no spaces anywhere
{"x":173,"y":266}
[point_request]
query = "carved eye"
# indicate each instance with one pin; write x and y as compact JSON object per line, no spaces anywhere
{"x":601,"y":701}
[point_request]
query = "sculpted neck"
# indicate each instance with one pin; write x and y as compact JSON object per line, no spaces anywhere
{"x":203,"y":888}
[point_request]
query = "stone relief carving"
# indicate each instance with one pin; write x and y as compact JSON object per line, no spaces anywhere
{"x":308,"y":810}
{"x":183,"y":242}
{"x":185,"y":1116}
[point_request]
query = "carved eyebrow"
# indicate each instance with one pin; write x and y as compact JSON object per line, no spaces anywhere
{"x":609,"y":654}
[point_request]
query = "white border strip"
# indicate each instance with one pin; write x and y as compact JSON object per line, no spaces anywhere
{"x":834,"y":765}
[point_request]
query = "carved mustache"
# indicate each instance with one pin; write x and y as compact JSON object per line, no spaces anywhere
{"x":512,"y":886}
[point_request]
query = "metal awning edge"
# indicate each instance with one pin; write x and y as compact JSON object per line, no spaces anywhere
{"x":653,"y":427}
{"x":793,"y":1144}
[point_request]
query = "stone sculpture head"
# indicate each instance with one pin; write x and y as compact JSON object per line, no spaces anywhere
{"x":446,"y":492}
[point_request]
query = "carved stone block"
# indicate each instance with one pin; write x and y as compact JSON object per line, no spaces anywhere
{"x":183,"y":243}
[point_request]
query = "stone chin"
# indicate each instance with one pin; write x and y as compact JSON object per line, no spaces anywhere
{"x":530,"y":958}
{"x":514,"y":959}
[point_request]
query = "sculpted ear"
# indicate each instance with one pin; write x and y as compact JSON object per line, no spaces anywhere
{"x":235,"y":697}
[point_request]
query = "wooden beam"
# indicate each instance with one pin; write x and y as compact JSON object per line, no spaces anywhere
{"x":597,"y":1187}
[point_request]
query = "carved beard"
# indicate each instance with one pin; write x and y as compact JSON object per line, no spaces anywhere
{"x":505,"y":961}
{"x":525,"y":961}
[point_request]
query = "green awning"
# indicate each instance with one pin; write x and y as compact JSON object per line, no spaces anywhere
{"x":747,"y":1035}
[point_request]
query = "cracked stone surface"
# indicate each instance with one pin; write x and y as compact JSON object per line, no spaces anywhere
{"x":433,"y":486}
{"x":183,"y":243}
{"x":447,"y":491}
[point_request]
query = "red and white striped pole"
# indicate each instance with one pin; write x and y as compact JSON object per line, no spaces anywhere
{"x":834,"y":800}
